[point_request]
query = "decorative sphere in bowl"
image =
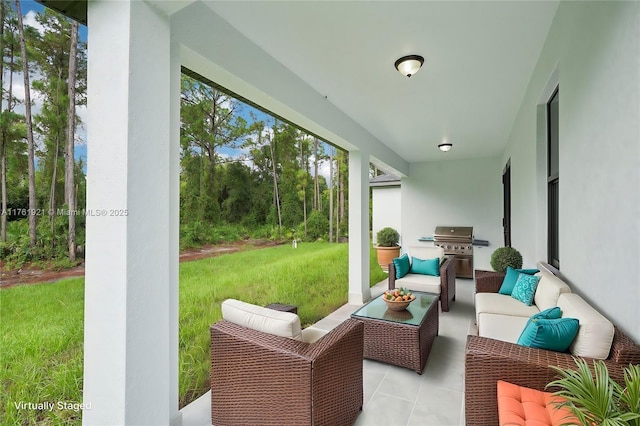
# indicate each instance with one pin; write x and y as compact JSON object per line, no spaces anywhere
{"x":398,"y":299}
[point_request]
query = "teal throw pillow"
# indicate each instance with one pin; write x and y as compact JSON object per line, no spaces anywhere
{"x":525,"y":288}
{"x":551,"y":313}
{"x":511,"y":277}
{"x":551,"y":334}
{"x":402,"y":265}
{"x":425,"y":266}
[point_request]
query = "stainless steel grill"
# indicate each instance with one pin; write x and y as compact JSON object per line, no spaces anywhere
{"x":457,"y":241}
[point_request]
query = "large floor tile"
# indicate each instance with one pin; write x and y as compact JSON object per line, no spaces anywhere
{"x":436,"y":406}
{"x":385,"y":410}
{"x":401,"y":383}
{"x":373,"y":374}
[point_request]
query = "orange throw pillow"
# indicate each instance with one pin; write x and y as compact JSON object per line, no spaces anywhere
{"x":522,"y":406}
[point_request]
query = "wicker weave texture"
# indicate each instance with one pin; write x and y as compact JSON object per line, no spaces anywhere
{"x":488,"y":281}
{"x":401,"y":344}
{"x":447,"y":281}
{"x":488,"y":360}
{"x":261,"y":379}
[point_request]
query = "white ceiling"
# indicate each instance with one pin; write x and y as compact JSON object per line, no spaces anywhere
{"x":479,"y":56}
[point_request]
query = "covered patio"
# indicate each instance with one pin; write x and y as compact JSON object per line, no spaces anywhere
{"x":436,"y":397}
{"x":490,"y":69}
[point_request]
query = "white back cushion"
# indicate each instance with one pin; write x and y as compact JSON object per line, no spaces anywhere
{"x":285,"y":324}
{"x":426,"y":252}
{"x":596,"y":332}
{"x":549,"y":290}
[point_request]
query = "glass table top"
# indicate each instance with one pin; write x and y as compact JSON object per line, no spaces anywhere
{"x":413,"y":315}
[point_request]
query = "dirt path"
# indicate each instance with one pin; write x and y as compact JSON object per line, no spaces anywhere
{"x":28,"y":275}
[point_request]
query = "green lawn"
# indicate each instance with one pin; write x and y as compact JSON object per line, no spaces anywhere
{"x":41,"y":332}
{"x":41,"y":326}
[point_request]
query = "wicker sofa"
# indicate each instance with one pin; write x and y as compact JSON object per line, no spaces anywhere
{"x":443,"y":285}
{"x":259,"y":378}
{"x":488,"y":360}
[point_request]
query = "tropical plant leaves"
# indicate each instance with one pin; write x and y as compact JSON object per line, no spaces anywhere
{"x":595,"y":398}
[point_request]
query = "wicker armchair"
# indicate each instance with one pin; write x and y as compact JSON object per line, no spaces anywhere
{"x":488,"y":360}
{"x":262,"y":379}
{"x":447,"y":281}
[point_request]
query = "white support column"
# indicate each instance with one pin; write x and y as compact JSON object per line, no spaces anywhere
{"x":359,"y":290}
{"x":174,"y":236}
{"x":131,"y":290}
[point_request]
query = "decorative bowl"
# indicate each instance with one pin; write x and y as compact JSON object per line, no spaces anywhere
{"x":397,"y":306}
{"x":398,"y":299}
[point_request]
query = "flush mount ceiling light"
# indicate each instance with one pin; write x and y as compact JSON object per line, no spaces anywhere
{"x":409,"y":65}
{"x":444,"y":147}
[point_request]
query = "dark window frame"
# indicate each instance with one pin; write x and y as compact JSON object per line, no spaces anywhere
{"x":506,"y":203}
{"x":553,"y":181}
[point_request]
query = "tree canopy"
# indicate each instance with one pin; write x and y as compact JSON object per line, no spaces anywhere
{"x":243,"y":173}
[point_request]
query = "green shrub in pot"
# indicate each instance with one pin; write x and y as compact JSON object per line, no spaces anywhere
{"x":387,"y":237}
{"x":506,"y":256}
{"x":387,"y":247}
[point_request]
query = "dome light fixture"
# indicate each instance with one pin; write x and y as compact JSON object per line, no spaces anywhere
{"x":409,"y":65}
{"x":444,"y":147}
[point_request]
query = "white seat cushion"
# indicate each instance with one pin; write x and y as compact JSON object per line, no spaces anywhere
{"x":549,"y":290}
{"x":501,"y":304}
{"x":595,"y":334}
{"x":419,"y":282}
{"x":500,"y":327}
{"x":285,"y":324}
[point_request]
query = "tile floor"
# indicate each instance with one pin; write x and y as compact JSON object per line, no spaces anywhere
{"x":395,"y":396}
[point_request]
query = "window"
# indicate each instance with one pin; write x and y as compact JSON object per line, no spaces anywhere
{"x":506,"y":197}
{"x":553,"y":194}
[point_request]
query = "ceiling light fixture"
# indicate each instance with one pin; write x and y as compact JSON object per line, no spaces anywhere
{"x":444,"y":147}
{"x":409,"y":65}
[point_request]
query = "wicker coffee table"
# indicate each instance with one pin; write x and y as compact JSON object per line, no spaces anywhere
{"x":400,"y":338}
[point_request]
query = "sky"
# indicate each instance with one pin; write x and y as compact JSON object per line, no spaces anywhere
{"x":29,"y":11}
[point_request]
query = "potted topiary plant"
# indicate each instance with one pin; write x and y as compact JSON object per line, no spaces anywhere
{"x":506,"y":256}
{"x":596,"y":399}
{"x":387,"y":247}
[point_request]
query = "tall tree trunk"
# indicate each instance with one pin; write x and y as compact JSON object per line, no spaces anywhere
{"x":337,"y":186}
{"x":304,"y":211}
{"x":3,"y":173}
{"x":303,"y":162}
{"x":52,"y":194}
{"x":5,"y":140}
{"x":3,"y":143}
{"x":331,"y":194}
{"x":211,"y":147}
{"x":30,"y":143}
{"x":316,"y":184}
{"x":276,"y":195}
{"x":54,"y":172}
{"x":343,"y":179}
{"x":69,"y":166}
{"x":202,"y":192}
